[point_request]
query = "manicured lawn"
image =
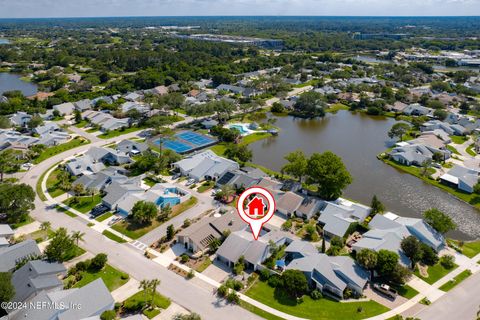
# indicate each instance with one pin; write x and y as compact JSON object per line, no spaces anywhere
{"x":406,"y":291}
{"x":76,"y":252}
{"x":68,"y":213}
{"x":83,"y":204}
{"x":40,"y":235}
{"x":220,"y":148}
{"x":149,"y":181}
{"x":138,"y":299}
{"x":206,"y":186}
{"x":453,"y":150}
{"x":135,"y":231}
{"x":456,"y":280}
{"x":472,"y":198}
{"x":458,"y":139}
{"x":104,"y":217}
{"x":259,"y":312}
{"x":91,"y":130}
{"x":313,"y":309}
{"x":112,"y":277}
{"x":470,"y":150}
{"x":53,"y":184}
{"x":470,"y":248}
{"x":205,"y":264}
{"x":336,"y":107}
{"x":81,"y":124}
{"x":113,"y":236}
{"x":435,"y":273}
{"x":116,"y":133}
{"x":27,"y":220}
{"x":52,"y":151}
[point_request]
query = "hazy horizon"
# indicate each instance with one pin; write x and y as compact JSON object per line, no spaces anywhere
{"x":208,"y":8}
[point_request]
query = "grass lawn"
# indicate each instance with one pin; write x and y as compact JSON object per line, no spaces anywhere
{"x":206,"y":186}
{"x":458,"y":139}
{"x":452,"y":150}
{"x":116,"y":133}
{"x":335,"y":107}
{"x":149,"y":181}
{"x":435,"y":273}
{"x":76,"y":252}
{"x":113,"y":236}
{"x":138,"y":299}
{"x":135,"y":231}
{"x":83,"y":204}
{"x":53,"y":185}
{"x":112,"y":277}
{"x":472,"y":198}
{"x":52,"y":151}
{"x":470,"y":150}
{"x":81,"y":124}
{"x":313,"y":309}
{"x":220,"y":148}
{"x":406,"y":291}
{"x":40,"y":235}
{"x":470,"y":249}
{"x":259,"y":312}
{"x":456,"y":280}
{"x":91,"y":130}
{"x":104,"y":217}
{"x":27,"y":220}
{"x":205,"y":264}
{"x":68,"y":213}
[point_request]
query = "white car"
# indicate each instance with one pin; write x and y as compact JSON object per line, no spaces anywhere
{"x":190,"y":182}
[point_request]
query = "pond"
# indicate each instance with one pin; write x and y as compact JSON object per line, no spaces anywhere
{"x":358,"y":138}
{"x":11,"y":81}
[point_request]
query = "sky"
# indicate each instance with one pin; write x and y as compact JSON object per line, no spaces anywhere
{"x":102,"y":8}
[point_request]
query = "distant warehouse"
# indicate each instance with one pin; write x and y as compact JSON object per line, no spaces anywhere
{"x":259,"y":42}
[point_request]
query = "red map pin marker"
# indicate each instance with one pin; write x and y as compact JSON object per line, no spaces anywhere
{"x":252,"y":206}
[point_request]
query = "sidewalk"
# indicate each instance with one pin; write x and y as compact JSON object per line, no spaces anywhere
{"x":126,"y":291}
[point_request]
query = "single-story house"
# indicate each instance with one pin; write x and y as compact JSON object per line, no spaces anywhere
{"x":415,"y":109}
{"x":6,"y":233}
{"x":200,"y":235}
{"x":461,"y":177}
{"x":36,"y":276}
{"x":131,"y":147}
{"x":94,"y":298}
{"x":65,"y":109}
{"x":416,"y":154}
{"x":11,"y":255}
{"x":309,"y":207}
{"x":337,"y":217}
{"x":83,"y":105}
{"x":20,"y":119}
{"x":205,"y":166}
{"x":118,"y":191}
{"x":99,"y":181}
{"x":242,"y":178}
{"x":162,"y":194}
{"x":93,"y":161}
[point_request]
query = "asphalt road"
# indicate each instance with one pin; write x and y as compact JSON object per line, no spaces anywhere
{"x":129,"y":259}
{"x":462,"y":303}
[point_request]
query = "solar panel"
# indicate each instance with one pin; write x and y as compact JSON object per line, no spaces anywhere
{"x":225,"y":178}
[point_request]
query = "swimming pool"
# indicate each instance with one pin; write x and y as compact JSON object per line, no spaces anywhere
{"x":238,"y":127}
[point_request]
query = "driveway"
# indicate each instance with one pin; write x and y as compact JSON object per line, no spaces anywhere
{"x":217,"y":271}
{"x":382,"y":299}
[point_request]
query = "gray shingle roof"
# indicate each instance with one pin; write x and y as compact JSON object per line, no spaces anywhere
{"x":10,"y":256}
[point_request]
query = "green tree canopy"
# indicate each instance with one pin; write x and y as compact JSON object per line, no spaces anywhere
{"x":386,"y":262}
{"x":412,"y":249}
{"x":398,"y":130}
{"x":16,"y":201}
{"x":439,"y":220}
{"x":297,"y":164}
{"x":328,"y":172}
{"x":60,"y":246}
{"x":7,"y":290}
{"x":144,"y":211}
{"x":294,"y":282}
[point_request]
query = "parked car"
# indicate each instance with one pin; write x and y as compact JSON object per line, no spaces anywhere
{"x":114,"y":220}
{"x":98,"y":210}
{"x":190,"y":182}
{"x":386,"y":290}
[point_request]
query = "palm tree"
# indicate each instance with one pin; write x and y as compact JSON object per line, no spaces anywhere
{"x":91,"y":192}
{"x":44,"y":226}
{"x":153,"y":287}
{"x":226,"y":192}
{"x":425,"y":166}
{"x":77,"y":236}
{"x":144,"y":285}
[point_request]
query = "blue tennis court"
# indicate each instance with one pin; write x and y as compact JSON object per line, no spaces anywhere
{"x":176,"y":146}
{"x":195,"y":138}
{"x":186,"y":141}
